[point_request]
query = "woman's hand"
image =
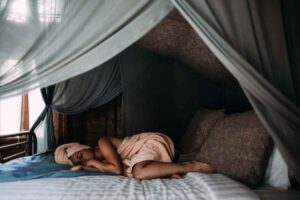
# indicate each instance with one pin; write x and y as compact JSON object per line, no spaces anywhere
{"x":101,"y":166}
{"x":76,"y":168}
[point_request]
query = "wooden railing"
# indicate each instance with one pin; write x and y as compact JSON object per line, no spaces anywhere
{"x":28,"y":139}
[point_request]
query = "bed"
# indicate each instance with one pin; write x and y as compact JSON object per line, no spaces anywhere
{"x":39,"y":177}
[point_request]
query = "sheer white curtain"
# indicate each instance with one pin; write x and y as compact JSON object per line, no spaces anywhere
{"x":53,"y":40}
{"x":44,"y":42}
{"x":36,"y":106}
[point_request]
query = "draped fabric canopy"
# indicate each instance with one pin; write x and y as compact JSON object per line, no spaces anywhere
{"x":76,"y":95}
{"x":57,"y":39}
{"x":89,"y":90}
{"x":248,"y":38}
{"x":44,"y":42}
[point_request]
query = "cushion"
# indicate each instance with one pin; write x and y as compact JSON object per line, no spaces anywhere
{"x":238,"y":146}
{"x":198,"y":128}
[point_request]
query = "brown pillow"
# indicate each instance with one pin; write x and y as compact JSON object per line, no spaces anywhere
{"x":191,"y":142}
{"x":238,"y":146}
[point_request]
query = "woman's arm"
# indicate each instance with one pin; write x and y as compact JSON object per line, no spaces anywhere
{"x":80,"y":167}
{"x":113,"y":162}
{"x":95,"y":165}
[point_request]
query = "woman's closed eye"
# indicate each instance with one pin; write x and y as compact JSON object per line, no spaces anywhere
{"x":79,"y":159}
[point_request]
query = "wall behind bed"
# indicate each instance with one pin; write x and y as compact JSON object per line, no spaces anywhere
{"x":165,"y":97}
{"x":89,"y":126}
{"x":182,"y":76}
{"x":161,"y":99}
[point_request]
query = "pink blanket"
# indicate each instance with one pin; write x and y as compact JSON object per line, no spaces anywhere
{"x":145,"y":146}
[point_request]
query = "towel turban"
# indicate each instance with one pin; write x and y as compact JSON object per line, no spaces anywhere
{"x":65,"y":151}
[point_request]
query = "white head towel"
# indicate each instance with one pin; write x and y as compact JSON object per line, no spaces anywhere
{"x":65,"y":151}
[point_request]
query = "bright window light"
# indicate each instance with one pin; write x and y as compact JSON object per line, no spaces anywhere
{"x":10,"y":111}
{"x":8,"y":64}
{"x":10,"y":115}
{"x":36,"y":105}
{"x":50,"y":10}
{"x":18,"y":11}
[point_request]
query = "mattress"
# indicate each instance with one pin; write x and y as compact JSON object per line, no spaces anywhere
{"x":39,"y":177}
{"x":194,"y":186}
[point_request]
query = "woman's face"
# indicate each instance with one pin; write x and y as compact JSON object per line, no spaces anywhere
{"x":81,"y":156}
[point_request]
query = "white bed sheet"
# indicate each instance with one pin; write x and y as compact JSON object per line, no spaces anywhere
{"x":196,"y":186}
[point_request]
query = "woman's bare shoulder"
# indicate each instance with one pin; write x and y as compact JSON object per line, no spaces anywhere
{"x":116,"y":141}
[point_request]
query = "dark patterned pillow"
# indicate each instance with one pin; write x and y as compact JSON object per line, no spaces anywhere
{"x":191,"y":142}
{"x":238,"y":146}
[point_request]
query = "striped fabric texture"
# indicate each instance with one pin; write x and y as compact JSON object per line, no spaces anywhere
{"x":195,"y":185}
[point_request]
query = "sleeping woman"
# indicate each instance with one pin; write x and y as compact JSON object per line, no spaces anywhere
{"x":142,"y":156}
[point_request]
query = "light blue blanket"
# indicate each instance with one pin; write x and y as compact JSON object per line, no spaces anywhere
{"x":37,"y":166}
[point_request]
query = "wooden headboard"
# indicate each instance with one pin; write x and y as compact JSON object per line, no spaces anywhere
{"x":89,"y":126}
